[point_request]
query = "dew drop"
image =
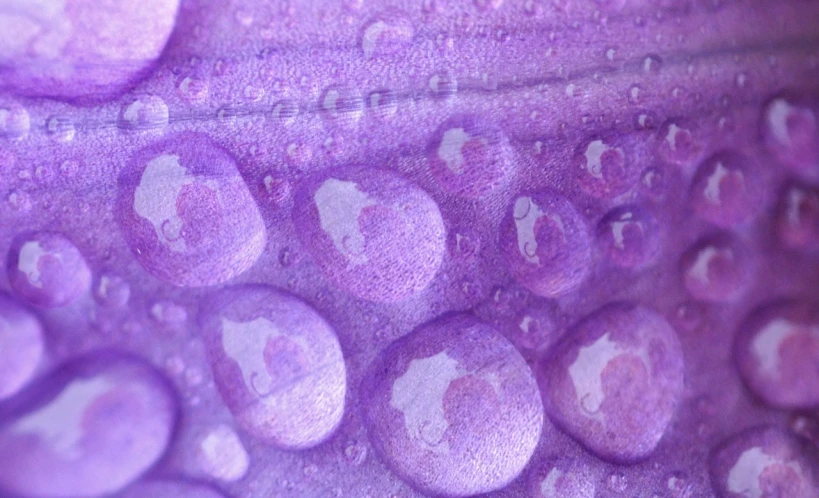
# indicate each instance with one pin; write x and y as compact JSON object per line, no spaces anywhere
{"x":14,"y":121}
{"x":629,"y":236}
{"x":717,"y":268}
{"x":60,"y":128}
{"x":147,"y":112}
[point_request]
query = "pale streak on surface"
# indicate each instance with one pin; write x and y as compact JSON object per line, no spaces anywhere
{"x":340,"y":204}
{"x":156,"y":196}
{"x":59,"y":423}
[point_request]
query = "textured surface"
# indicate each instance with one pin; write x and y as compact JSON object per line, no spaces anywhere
{"x":382,"y":163}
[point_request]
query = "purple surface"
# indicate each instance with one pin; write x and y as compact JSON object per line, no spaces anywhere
{"x":265,"y":208}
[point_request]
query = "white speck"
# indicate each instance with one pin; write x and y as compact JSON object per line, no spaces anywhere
{"x":340,"y":204}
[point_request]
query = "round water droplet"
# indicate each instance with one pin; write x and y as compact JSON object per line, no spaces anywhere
{"x":469,"y":156}
{"x":777,"y":350}
{"x":355,"y":453}
{"x":791,"y":133}
{"x":387,"y":34}
{"x":170,"y":489}
{"x":61,"y":128}
{"x":277,"y":364}
{"x":717,"y":268}
{"x":726,"y":189}
{"x":285,"y":110}
{"x":372,"y":232}
{"x":22,"y":344}
{"x":14,"y":120}
{"x":46,"y":269}
{"x":221,"y":454}
{"x":88,"y":429}
{"x":614,"y":381}
{"x":608,"y":167}
{"x":561,"y":477}
{"x":617,"y":482}
{"x":383,"y":103}
{"x":78,"y":50}
{"x":147,"y":112}
{"x":764,"y":462}
{"x":679,"y":142}
{"x":652,"y":64}
{"x":653,"y":183}
{"x":629,"y":235}
{"x":169,"y":313}
{"x":112,"y":291}
{"x":187,"y":214}
{"x":453,"y":408}
{"x":797,"y":217}
{"x":193,"y":89}
{"x":340,"y":104}
{"x":546,"y":243}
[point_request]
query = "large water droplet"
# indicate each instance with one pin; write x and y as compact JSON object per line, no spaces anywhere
{"x":469,"y":156}
{"x":372,"y":232}
{"x":546,"y":243}
{"x":717,"y":268}
{"x":277,"y":364}
{"x":629,"y":235}
{"x":614,"y":381}
{"x":22,"y":344}
{"x":777,"y":351}
{"x":46,"y":269}
{"x":88,"y":429}
{"x":187,"y":214}
{"x":481,"y":417}
{"x":764,"y":462}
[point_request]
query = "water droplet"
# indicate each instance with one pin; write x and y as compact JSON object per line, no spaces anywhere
{"x":355,"y":453}
{"x":278,"y":189}
{"x":620,"y":364}
{"x":562,"y":477}
{"x":679,"y":143}
{"x":169,"y":313}
{"x":372,"y":232}
{"x":146,"y":112}
{"x":387,"y":34}
{"x":253,"y":93}
{"x":269,"y":353}
{"x":716,"y":268}
{"x":69,"y":168}
{"x":14,"y":121}
{"x":791,"y":134}
{"x":112,"y":291}
{"x":797,"y":216}
{"x":221,"y":454}
{"x":469,"y":156}
{"x":482,"y":410}
{"x":763,"y":461}
{"x":652,"y":64}
{"x":193,"y":89}
{"x":679,"y":487}
{"x":443,"y":85}
{"x":19,"y":200}
{"x":285,"y":110}
{"x":653,"y":183}
{"x":187,"y":214}
{"x":74,"y":421}
{"x":22,"y":345}
{"x":726,"y":189}
{"x":777,"y":351}
{"x":60,"y":128}
{"x":340,"y":104}
{"x":635,"y":94}
{"x":46,"y":269}
{"x":607,"y":167}
{"x":383,"y":103}
{"x":629,"y":235}
{"x":617,"y":482}
{"x":546,"y":243}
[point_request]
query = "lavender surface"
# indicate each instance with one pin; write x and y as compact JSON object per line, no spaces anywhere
{"x":362,"y":248}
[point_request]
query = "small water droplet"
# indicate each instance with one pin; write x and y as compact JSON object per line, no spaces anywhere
{"x":112,"y":291}
{"x":443,"y":86}
{"x":193,"y":89}
{"x":341,"y":104}
{"x":169,"y":313}
{"x":355,"y":452}
{"x":617,"y":482}
{"x":146,"y":112}
{"x":652,"y":64}
{"x":60,"y":128}
{"x":14,"y":121}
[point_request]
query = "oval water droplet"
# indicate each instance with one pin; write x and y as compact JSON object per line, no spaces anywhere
{"x":797,"y":216}
{"x":469,"y":156}
{"x":608,"y":167}
{"x":791,"y":133}
{"x":546,"y":243}
{"x":629,"y":236}
{"x":187,"y":214}
{"x":46,"y":269}
{"x":373,"y":233}
{"x":717,"y":268}
{"x":620,"y":364}
{"x":94,"y":425}
{"x":61,"y":128}
{"x":386,"y":34}
{"x":277,"y":364}
{"x":726,"y":189}
{"x":482,"y":417}
{"x":562,"y":477}
{"x":341,"y":104}
{"x":146,"y":112}
{"x":221,"y":454}
{"x":112,"y":291}
{"x":443,"y":85}
{"x":14,"y":121}
{"x":679,"y":142}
